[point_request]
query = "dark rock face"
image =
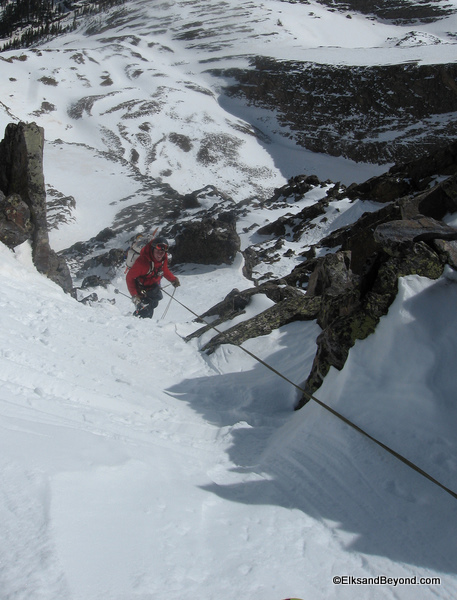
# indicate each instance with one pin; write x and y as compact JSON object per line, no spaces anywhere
{"x":395,"y":10}
{"x":348,"y":110}
{"x":24,"y":209}
{"x":107,"y":262}
{"x":408,"y":179}
{"x":210,"y":241}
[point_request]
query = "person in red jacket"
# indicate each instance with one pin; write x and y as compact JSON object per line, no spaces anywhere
{"x":143,"y":279}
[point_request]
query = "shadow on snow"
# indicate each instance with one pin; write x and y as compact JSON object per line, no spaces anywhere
{"x":313,"y":462}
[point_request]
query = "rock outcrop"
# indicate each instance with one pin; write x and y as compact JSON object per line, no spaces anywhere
{"x":209,"y":241}
{"x":23,"y":199}
{"x":354,"y":280}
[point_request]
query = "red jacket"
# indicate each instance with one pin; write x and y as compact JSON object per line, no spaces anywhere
{"x":147,"y":271}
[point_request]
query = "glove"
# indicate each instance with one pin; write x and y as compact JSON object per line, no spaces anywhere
{"x":136,"y":300}
{"x":176,"y":283}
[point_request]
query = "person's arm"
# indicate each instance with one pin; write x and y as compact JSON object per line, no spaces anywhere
{"x":140,"y":267}
{"x":169,"y":275}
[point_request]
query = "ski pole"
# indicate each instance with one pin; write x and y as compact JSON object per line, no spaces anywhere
{"x":116,"y":291}
{"x":169,"y":302}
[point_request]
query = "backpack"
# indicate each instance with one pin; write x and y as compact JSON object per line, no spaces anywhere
{"x":135,"y":248}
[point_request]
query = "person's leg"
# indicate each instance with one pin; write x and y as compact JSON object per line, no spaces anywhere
{"x":151,"y":300}
{"x":144,"y":312}
{"x":154,"y":295}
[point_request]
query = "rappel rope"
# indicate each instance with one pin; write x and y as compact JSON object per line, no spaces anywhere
{"x":331,"y":410}
{"x":334,"y":412}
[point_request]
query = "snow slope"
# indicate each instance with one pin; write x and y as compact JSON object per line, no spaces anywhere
{"x":134,"y":467}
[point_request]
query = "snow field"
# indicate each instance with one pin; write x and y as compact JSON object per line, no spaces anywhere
{"x":133,"y":466}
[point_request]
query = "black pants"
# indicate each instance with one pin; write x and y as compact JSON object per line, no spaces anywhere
{"x":149,"y":302}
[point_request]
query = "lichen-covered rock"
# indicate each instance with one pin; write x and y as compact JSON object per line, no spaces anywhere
{"x":297,"y":308}
{"x":370,"y":301}
{"x":15,"y":223}
{"x":448,"y":251}
{"x":331,"y":276}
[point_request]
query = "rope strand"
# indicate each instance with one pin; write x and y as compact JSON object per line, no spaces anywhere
{"x":334,"y":412}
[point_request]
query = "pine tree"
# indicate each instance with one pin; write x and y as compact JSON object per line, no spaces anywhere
{"x":40,"y":18}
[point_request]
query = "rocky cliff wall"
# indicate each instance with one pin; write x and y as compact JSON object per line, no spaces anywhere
{"x":379,"y":114}
{"x":399,"y":11}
